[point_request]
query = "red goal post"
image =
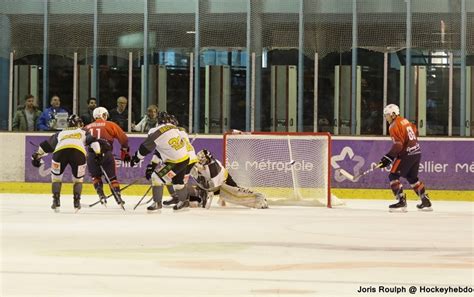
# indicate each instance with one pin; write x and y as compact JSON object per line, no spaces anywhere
{"x":290,"y":168}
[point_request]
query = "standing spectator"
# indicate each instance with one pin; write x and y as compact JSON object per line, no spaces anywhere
{"x":87,"y":117}
{"x":48,"y":120}
{"x":119,"y":115}
{"x":148,"y":121}
{"x":26,"y":117}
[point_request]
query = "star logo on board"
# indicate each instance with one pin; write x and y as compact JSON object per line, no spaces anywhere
{"x":346,"y":155}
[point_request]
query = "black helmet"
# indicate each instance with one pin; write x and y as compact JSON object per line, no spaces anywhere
{"x":163,"y":118}
{"x":174,"y":120}
{"x":74,"y":121}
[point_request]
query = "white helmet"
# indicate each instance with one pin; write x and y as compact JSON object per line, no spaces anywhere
{"x":391,"y":109}
{"x":99,"y":112}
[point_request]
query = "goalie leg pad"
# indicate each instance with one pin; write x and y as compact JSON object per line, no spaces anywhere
{"x":242,"y":196}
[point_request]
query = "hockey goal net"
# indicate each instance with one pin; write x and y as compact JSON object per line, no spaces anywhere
{"x":289,"y":168}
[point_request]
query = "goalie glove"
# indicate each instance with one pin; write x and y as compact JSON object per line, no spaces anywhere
{"x":124,"y":155}
{"x":385,"y":161}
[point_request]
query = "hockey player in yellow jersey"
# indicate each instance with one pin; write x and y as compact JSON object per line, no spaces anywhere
{"x":166,"y":140}
{"x":68,"y":148}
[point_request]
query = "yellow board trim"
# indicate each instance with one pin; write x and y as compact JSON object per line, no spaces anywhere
{"x":138,"y":190}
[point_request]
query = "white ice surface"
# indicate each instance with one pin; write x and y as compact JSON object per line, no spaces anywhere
{"x":232,"y":251}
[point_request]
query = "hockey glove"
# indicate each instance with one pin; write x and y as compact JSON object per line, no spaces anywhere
{"x":36,"y":160}
{"x":385,"y":161}
{"x":150,"y":168}
{"x":134,"y":160}
{"x":124,"y":155}
{"x":99,"y":158}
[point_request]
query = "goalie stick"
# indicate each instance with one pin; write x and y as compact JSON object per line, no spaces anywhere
{"x":355,"y":178}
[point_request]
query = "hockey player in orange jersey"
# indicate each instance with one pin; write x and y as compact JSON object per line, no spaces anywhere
{"x":405,"y":154}
{"x":106,"y":132}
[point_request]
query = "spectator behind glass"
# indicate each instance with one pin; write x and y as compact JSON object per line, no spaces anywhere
{"x":47,"y":120}
{"x":119,"y":115}
{"x":148,"y":121}
{"x":87,"y":117}
{"x":26,"y":117}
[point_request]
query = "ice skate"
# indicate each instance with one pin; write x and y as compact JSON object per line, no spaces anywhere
{"x":118,"y":199}
{"x":56,"y":203}
{"x":181,"y":206}
{"x":77,"y":203}
{"x":169,"y":202}
{"x":154,"y":207}
{"x":102,"y":197}
{"x":425,"y":204}
{"x":400,"y":206}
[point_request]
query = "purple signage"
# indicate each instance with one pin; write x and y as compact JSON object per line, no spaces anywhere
{"x":446,"y":164}
{"x":125,"y":173}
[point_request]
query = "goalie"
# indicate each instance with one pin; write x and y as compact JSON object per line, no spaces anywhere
{"x":212,"y":177}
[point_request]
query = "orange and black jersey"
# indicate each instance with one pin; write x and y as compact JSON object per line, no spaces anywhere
{"x":108,"y":131}
{"x":404,"y":135}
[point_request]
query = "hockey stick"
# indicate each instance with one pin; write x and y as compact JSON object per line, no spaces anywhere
{"x":33,"y":144}
{"x":130,"y":184}
{"x":355,"y":178}
{"x":117,"y":198}
{"x":144,"y":195}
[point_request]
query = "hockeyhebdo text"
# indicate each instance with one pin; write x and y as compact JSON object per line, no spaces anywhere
{"x":433,"y":167}
{"x":264,"y":165}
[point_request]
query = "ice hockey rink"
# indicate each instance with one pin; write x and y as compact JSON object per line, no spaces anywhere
{"x":232,"y":251}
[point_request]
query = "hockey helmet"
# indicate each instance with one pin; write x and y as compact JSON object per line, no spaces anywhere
{"x":74,"y":121}
{"x":204,"y":157}
{"x":391,"y":109}
{"x":163,"y":118}
{"x":174,"y":120}
{"x":100,"y":113}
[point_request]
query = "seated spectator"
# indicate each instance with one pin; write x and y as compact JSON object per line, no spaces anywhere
{"x":26,"y":117}
{"x":119,"y":115}
{"x":148,"y":121}
{"x":48,"y":121}
{"x":87,"y":117}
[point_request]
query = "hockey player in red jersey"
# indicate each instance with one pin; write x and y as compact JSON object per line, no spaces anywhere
{"x":106,"y":132}
{"x":405,"y":155}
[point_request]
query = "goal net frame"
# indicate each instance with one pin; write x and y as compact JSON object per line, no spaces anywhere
{"x":287,"y":136}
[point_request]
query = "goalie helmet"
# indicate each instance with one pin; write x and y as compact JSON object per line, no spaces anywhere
{"x":204,"y":157}
{"x":100,"y":113}
{"x":391,"y":109}
{"x":74,"y":121}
